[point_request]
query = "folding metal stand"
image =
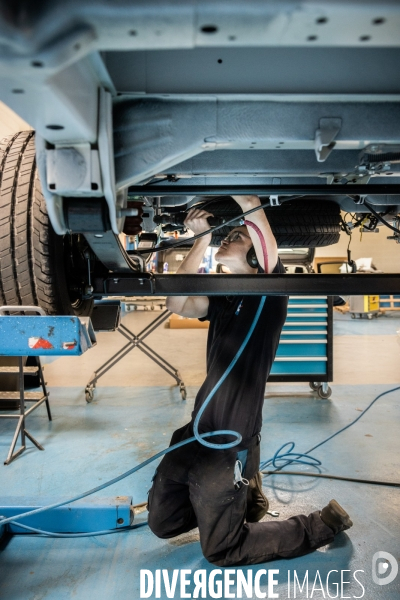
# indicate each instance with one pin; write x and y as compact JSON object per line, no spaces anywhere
{"x":35,"y":335}
{"x":37,"y":397}
{"x":136,"y":341}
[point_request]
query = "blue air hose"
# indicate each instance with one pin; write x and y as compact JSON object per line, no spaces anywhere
{"x":197,"y":436}
{"x":288,"y":456}
{"x":217,"y":386}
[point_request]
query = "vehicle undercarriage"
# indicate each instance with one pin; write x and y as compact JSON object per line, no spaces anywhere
{"x":141,"y":110}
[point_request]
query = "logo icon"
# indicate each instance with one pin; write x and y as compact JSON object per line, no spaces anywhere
{"x":384,"y":568}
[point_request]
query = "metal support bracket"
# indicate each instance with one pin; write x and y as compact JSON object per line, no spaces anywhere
{"x":142,"y":284}
{"x":325,"y":135}
{"x":74,"y":170}
{"x":358,"y":178}
{"x":359,"y":199}
{"x":274,"y":201}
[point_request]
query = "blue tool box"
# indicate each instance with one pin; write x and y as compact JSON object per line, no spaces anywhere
{"x":305,"y":348}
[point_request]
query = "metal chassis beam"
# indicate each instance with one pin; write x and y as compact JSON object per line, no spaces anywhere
{"x":277,"y":190}
{"x":145,"y":284}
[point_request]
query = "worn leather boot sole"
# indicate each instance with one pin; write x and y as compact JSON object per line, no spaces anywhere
{"x":336,"y":517}
{"x":257,"y":502}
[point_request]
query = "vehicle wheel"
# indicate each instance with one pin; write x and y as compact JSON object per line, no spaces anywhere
{"x":301,"y":223}
{"x":314,"y":386}
{"x":323,"y":394}
{"x":37,"y":267}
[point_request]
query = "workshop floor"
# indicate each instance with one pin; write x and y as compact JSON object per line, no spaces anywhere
{"x":131,"y":418}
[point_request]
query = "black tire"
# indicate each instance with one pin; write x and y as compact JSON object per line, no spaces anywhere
{"x":34,"y":261}
{"x":302,"y":223}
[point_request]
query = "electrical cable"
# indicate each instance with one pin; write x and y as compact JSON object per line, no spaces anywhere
{"x":350,"y":263}
{"x":203,"y":233}
{"x":381,"y":219}
{"x":338,"y":477}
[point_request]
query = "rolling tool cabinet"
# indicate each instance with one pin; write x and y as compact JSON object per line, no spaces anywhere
{"x":364,"y":305}
{"x":305,"y":348}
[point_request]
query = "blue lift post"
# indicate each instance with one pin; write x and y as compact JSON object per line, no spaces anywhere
{"x":25,"y":335}
{"x":89,"y":514}
{"x":32,"y":335}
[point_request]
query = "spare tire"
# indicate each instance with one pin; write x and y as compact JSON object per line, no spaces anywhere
{"x":301,"y":223}
{"x":37,"y":267}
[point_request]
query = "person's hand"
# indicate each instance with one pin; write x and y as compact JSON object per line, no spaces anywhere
{"x":196,"y":221}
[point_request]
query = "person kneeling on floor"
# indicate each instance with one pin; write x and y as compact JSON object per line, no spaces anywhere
{"x":220,"y":491}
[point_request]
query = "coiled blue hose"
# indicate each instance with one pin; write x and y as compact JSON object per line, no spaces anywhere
{"x":290,"y":457}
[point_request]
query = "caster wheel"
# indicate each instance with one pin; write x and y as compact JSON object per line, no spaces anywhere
{"x":353,"y":316}
{"x":314,"y":386}
{"x":323,"y":394}
{"x":152,"y":307}
{"x":183,"y":393}
{"x":370,"y":316}
{"x":89,"y":395}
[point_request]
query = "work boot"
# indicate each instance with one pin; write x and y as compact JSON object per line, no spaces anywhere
{"x":335,"y":517}
{"x":257,"y":502}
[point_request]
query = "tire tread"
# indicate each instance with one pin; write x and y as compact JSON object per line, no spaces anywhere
{"x":31,"y":271}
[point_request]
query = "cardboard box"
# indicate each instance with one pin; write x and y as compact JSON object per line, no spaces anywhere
{"x":178,"y":322}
